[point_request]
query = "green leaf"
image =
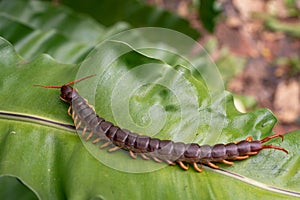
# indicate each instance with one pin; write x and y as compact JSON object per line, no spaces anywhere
{"x":142,"y":84}
{"x":135,"y":12}
{"x":208,"y":13}
{"x":12,"y":188}
{"x":36,"y":27}
{"x":40,"y":149}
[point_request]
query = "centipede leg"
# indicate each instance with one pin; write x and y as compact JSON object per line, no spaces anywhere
{"x":183,"y":166}
{"x":156,"y":159}
{"x":227,"y":162}
{"x":196,"y":167}
{"x":69,"y":110}
{"x":249,"y":139}
{"x":105,"y":145}
{"x":73,"y":115}
{"x":241,"y":157}
{"x":144,"y":156}
{"x":96,"y":140}
{"x":170,"y":162}
{"x":252,"y":153}
{"x":275,"y":147}
{"x":113,"y":149}
{"x":93,"y":108}
{"x":76,"y":118}
{"x":78,"y":125}
{"x":132,"y":155}
{"x":213,"y":165}
{"x":84,"y":131}
{"x":266,"y":139}
{"x":89,"y":136}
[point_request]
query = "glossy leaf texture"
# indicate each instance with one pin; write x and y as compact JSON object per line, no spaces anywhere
{"x":135,"y":12}
{"x":36,"y":27}
{"x":49,"y":157}
{"x":40,"y":147}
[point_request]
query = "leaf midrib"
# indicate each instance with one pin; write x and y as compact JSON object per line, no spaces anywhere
{"x":21,"y":117}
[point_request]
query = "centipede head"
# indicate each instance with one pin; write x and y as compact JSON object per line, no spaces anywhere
{"x":266,"y":139}
{"x":66,"y":91}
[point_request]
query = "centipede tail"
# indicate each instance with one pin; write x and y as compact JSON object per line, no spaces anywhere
{"x":98,"y":130}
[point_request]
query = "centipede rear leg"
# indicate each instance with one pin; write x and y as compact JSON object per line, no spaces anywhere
{"x":266,"y":139}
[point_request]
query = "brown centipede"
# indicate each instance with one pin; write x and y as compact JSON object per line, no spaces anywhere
{"x":97,"y":129}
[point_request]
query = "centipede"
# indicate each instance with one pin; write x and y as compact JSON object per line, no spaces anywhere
{"x":105,"y":134}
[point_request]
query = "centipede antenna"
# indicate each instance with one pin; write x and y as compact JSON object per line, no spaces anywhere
{"x":76,"y":81}
{"x":70,"y":83}
{"x":47,"y":86}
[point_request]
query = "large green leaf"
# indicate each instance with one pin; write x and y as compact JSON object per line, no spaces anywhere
{"x":148,"y":90}
{"x":135,"y":12}
{"x":36,"y":27}
{"x":11,"y":188}
{"x":46,"y":154}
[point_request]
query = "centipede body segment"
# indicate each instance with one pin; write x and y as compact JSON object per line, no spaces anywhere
{"x":98,"y":130}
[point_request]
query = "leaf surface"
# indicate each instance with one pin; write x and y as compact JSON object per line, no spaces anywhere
{"x":49,"y":157}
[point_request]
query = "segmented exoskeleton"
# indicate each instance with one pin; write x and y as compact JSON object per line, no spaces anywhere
{"x":95,"y":128}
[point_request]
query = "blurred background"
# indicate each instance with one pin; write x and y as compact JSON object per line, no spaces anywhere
{"x":256,"y":45}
